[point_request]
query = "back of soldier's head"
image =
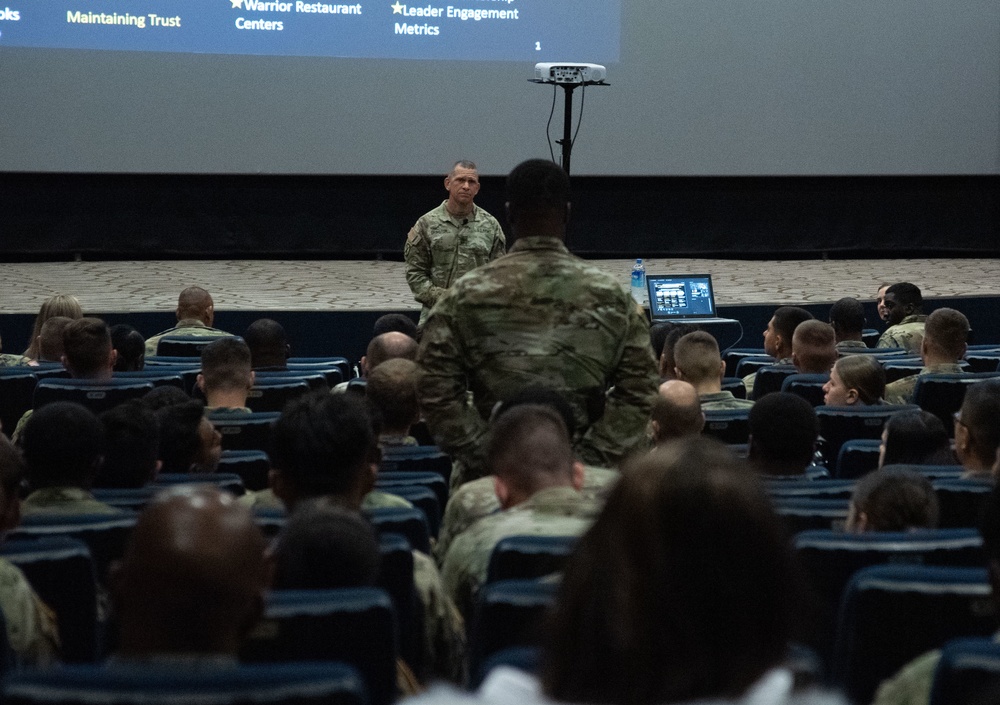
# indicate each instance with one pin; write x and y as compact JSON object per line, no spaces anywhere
{"x":529,"y":448}
{"x":225,"y":364}
{"x":979,"y":414}
{"x":130,"y":346}
{"x":267,"y":342}
{"x":783,"y":432}
{"x":894,"y":499}
{"x":394,"y":322}
{"x":847,"y":316}
{"x":389,"y":346}
{"x":87,"y":347}
{"x":194,"y":303}
{"x":697,"y":358}
{"x":180,"y":440}
{"x":51,"y":339}
{"x":676,"y":411}
{"x":667,"y":362}
{"x":324,"y":546}
{"x":906,"y":294}
{"x":814,"y":347}
{"x":916,"y":437}
{"x":132,"y":446}
{"x":63,"y":443}
{"x":392,"y":391}
{"x":536,"y":187}
{"x":323,"y":443}
{"x":788,"y":318}
{"x":946,"y":331}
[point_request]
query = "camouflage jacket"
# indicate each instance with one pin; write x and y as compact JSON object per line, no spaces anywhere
{"x":907,"y":334}
{"x":31,"y":625}
{"x":189,"y":326}
{"x":557,"y":511}
{"x":901,"y":391}
{"x":846,"y":347}
{"x":64,"y":500}
{"x":9,"y":360}
{"x":722,"y":400}
{"x":478,"y":498}
{"x":444,"y":628}
{"x":538,"y":316}
{"x":440,"y":248}
{"x":752,"y":377}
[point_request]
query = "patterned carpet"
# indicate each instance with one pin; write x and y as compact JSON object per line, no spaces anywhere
{"x":379,"y":285}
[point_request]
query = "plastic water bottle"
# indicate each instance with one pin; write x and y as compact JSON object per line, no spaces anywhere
{"x":639,"y":282}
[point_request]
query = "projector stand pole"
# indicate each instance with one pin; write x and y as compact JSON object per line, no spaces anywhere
{"x":567,"y":141}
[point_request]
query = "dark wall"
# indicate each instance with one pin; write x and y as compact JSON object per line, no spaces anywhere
{"x":58,"y":216}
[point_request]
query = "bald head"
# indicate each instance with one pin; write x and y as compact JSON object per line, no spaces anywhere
{"x":676,"y":411}
{"x":193,"y":576}
{"x":195,"y":302}
{"x":814,"y":347}
{"x":389,"y":346}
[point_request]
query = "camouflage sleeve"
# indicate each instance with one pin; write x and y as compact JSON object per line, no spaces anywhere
{"x":419,"y":263}
{"x":912,"y":684}
{"x":459,"y":575}
{"x":626,"y":413}
{"x":887,"y":340}
{"x":443,"y":388}
{"x":444,"y":628}
{"x":31,"y":625}
{"x":900,"y":391}
{"x":499,"y":248}
{"x":467,"y":505}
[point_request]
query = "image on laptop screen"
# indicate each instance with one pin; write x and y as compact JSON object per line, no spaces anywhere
{"x":684,"y":296}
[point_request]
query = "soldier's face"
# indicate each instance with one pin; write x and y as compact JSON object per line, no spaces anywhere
{"x":896,"y":311}
{"x":883,"y":312}
{"x":771,"y":339}
{"x":462,"y":185}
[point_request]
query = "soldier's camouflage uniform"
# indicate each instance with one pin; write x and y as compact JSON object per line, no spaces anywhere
{"x":901,"y":391}
{"x":908,"y":334}
{"x":723,"y":400}
{"x":441,"y":247}
{"x":752,"y":377}
{"x":538,"y":316}
{"x":188,"y":326}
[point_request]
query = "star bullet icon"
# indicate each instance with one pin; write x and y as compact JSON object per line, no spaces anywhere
{"x":237,"y":4}
{"x":397,"y":9}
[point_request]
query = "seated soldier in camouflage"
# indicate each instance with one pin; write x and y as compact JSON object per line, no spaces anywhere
{"x":226,"y":376}
{"x":676,"y":412}
{"x":697,"y":361}
{"x":977,"y":433}
{"x":195,"y":315}
{"x":906,"y":319}
{"x":778,"y":338}
{"x":63,"y":445}
{"x":392,"y":392}
{"x":783,"y":435}
{"x":847,"y":317}
{"x":478,"y":498}
{"x":384,"y":346}
{"x":814,"y":348}
{"x":942,"y":346}
{"x":537,"y":482}
{"x":269,"y":348}
{"x":326,"y":445}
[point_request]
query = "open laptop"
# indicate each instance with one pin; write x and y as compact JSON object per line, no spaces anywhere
{"x":680,"y":297}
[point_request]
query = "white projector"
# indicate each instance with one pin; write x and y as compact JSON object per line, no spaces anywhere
{"x":569,"y":72}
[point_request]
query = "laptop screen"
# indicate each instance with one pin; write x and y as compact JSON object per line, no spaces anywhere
{"x":683,"y":296}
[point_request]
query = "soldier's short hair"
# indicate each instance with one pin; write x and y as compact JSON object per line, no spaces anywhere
{"x":463,"y":164}
{"x":979,"y":414}
{"x":63,"y":443}
{"x":225,"y":364}
{"x":529,"y":446}
{"x":896,"y":499}
{"x":847,"y":316}
{"x":536,"y":186}
{"x":947,"y":330}
{"x":814,"y":345}
{"x":180,"y":441}
{"x":697,"y":357}
{"x":267,"y":342}
{"x":87,"y":346}
{"x":193,"y":302}
{"x":906,"y":294}
{"x":392,"y":391}
{"x":788,"y":318}
{"x":398,"y":322}
{"x":132,"y":434}
{"x":783,"y":429}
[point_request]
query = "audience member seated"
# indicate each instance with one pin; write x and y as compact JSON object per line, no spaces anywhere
{"x":814,"y":348}
{"x":58,"y":305}
{"x":943,"y":345}
{"x":906,"y":319}
{"x":87,"y":354}
{"x":392,"y":392}
{"x":385,"y":346}
{"x":855,"y":379}
{"x":163,"y":396}
{"x":226,"y":375}
{"x":847,"y":317}
{"x":189,"y":443}
{"x":778,"y":338}
{"x":130,"y":348}
{"x":893,"y":499}
{"x":326,"y":445}
{"x":883,"y":312}
{"x":912,"y":684}
{"x":195,"y":315}
{"x":192,"y":582}
{"x":697,"y":361}
{"x":977,"y":433}
{"x":63,"y":445}
{"x":671,"y":332}
{"x":478,"y":498}
{"x":537,"y":482}
{"x":676,"y":412}
{"x":31,"y":625}
{"x":682,"y":591}
{"x":398,"y":322}
{"x":51,"y":340}
{"x":269,"y":348}
{"x":915,"y":438}
{"x":783,"y":434}
{"x":132,"y":446}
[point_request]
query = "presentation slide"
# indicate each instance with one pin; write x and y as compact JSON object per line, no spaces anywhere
{"x":470,"y":30}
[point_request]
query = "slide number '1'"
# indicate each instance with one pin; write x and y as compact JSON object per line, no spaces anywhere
{"x":538,"y":46}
